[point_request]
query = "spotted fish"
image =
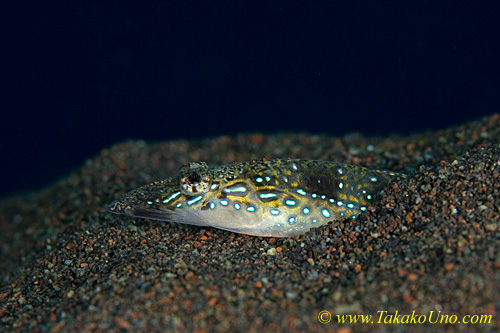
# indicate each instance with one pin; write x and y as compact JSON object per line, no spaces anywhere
{"x":278,"y":198}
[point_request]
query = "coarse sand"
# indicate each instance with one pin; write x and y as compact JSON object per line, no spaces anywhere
{"x":427,"y":250}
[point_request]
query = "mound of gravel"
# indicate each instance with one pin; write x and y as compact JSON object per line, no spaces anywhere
{"x":429,"y":244}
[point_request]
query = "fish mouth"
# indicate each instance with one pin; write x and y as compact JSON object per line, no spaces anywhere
{"x":118,"y":207}
{"x":122,"y":208}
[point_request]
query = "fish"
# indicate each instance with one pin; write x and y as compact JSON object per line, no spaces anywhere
{"x":269,"y":198}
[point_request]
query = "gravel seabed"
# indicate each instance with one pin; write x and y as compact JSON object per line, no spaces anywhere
{"x":430,"y":243}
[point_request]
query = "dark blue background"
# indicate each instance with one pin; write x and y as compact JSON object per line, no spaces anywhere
{"x":80,"y":76}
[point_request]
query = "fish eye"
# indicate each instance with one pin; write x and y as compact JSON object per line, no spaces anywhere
{"x":194,"y":177}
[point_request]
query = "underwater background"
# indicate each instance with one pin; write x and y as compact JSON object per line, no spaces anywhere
{"x":102,"y":98}
{"x":78,"y":77}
